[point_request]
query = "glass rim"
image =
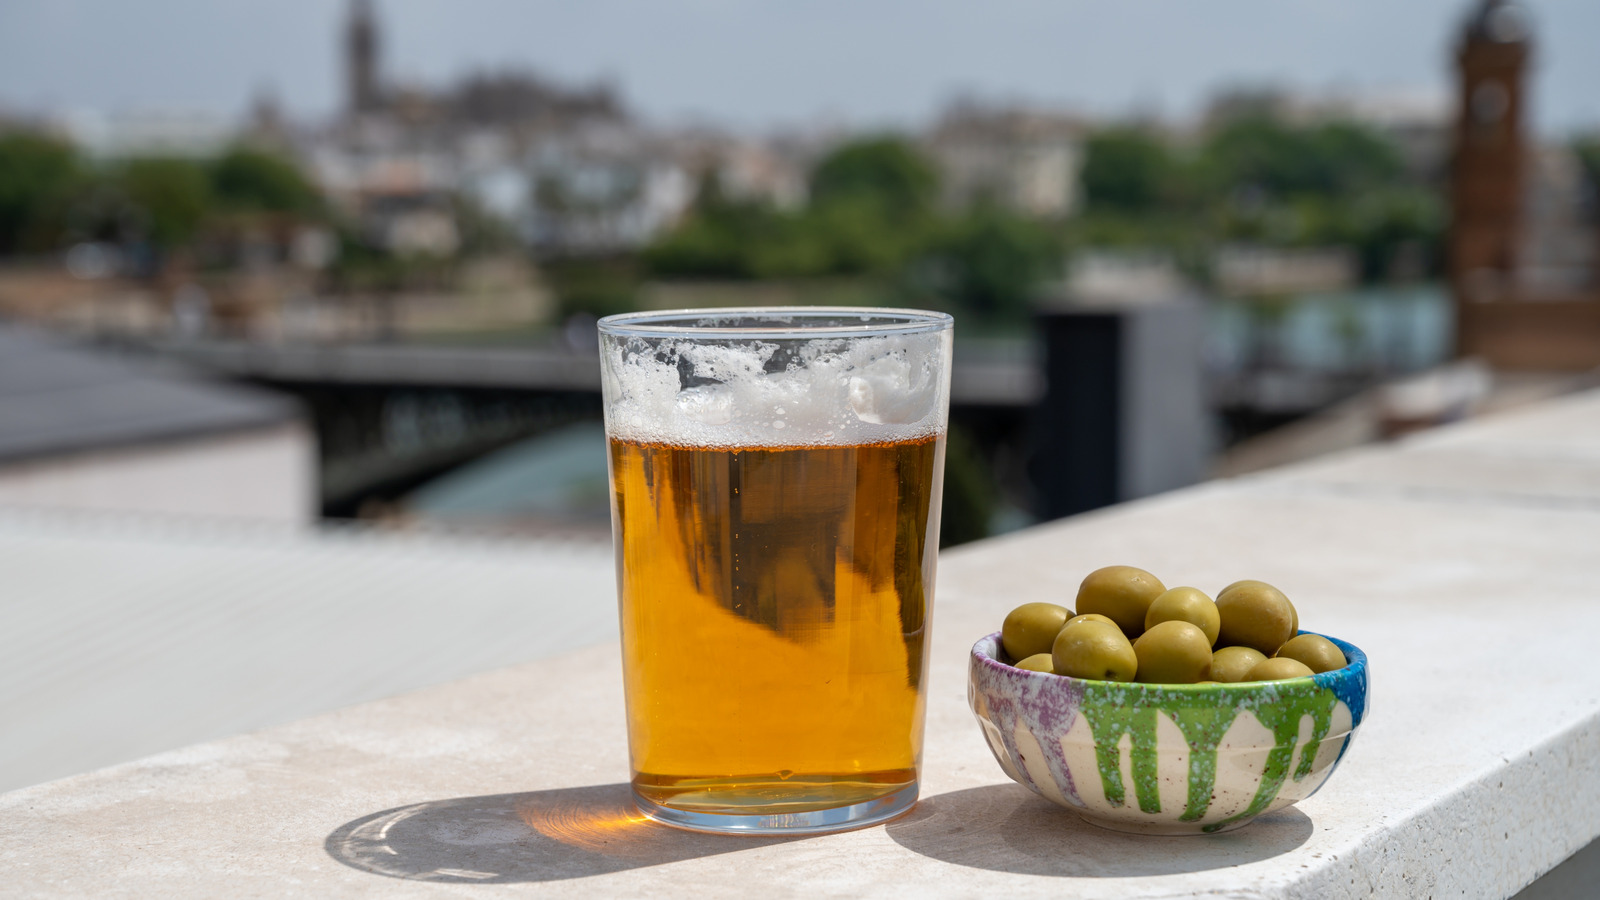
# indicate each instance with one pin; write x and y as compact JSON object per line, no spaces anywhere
{"x":714,"y":322}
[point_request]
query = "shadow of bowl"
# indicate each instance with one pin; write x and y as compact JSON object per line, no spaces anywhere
{"x":1007,"y":828}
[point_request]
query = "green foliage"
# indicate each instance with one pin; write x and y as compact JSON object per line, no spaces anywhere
{"x":252,"y":181}
{"x":1258,"y":179}
{"x":49,"y":195}
{"x":1128,"y":169}
{"x":482,"y":232}
{"x":991,"y":261}
{"x":173,"y":196}
{"x":884,"y":173}
{"x":871,"y":211}
{"x":1260,"y":157}
{"x":596,"y":287}
{"x":718,"y":239}
{"x":38,"y":178}
{"x":872,"y":215}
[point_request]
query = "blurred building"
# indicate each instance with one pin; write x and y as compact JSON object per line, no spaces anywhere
{"x":1109,"y":275}
{"x":1246,"y":270}
{"x":566,"y":167}
{"x":149,"y":132}
{"x":1025,"y":160}
{"x":84,"y":431}
{"x":1523,"y":252}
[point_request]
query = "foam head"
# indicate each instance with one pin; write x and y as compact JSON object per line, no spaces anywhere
{"x":806,"y":386}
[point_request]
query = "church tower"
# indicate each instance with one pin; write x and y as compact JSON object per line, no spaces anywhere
{"x":1504,"y":316}
{"x":1488,"y":169}
{"x":362,"y":92}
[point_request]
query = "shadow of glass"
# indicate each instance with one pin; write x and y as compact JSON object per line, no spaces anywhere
{"x":512,"y":838}
{"x":1006,"y":828}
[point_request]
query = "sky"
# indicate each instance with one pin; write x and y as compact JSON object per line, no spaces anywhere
{"x":759,"y":64}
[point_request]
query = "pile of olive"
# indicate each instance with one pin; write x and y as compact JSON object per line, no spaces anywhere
{"x":1130,"y":627}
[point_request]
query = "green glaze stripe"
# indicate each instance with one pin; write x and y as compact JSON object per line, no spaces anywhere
{"x":1203,"y":730}
{"x":1141,"y":725}
{"x":1203,"y":716}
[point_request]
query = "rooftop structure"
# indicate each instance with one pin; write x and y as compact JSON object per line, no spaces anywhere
{"x":1026,"y":160}
{"x":84,"y":430}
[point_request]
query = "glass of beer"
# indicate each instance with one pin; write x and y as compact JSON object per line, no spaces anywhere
{"x":776,"y":478}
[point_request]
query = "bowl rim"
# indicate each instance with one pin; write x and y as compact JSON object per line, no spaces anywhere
{"x":1355,"y":667}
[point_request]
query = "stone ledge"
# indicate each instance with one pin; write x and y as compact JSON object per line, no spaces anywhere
{"x":1473,"y":776}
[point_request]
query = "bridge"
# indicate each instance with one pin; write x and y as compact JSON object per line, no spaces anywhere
{"x":391,"y":415}
{"x":1000,"y":374}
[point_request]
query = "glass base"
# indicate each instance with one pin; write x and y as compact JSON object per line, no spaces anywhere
{"x":769,"y":822}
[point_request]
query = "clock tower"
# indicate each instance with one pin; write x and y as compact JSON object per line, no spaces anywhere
{"x":1488,"y":170}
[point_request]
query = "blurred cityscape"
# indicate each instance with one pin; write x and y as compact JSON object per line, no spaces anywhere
{"x":388,"y":314}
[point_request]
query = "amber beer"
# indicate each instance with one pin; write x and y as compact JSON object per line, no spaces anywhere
{"x":775,"y":510}
{"x":774,"y":607}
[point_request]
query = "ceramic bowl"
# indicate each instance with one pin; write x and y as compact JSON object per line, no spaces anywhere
{"x":1166,"y":759}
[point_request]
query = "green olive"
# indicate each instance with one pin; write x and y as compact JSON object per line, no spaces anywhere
{"x":1173,"y":652}
{"x":1230,"y":665}
{"x":1088,"y":617}
{"x":1251,"y":581}
{"x":1278,"y":669}
{"x":1121,"y":593}
{"x":1185,"y":604}
{"x":1255,"y":614}
{"x":1031,"y":628}
{"x":1317,"y":652}
{"x":1095,"y":650}
{"x":1039,"y":662}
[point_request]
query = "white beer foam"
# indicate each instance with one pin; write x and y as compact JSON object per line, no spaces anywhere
{"x":831,"y":392}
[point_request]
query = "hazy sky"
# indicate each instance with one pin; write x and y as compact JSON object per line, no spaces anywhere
{"x":757,"y":63}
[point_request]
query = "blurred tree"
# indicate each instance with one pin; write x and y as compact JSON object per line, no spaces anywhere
{"x":872,"y":215}
{"x":172,"y":195}
{"x":884,"y":172}
{"x":243,"y":179}
{"x":592,"y":286}
{"x":991,"y":261}
{"x":482,"y":232}
{"x":1127,"y":170}
{"x":863,"y":236}
{"x":1263,"y":155}
{"x":38,"y":177}
{"x":858,"y":228}
{"x":713,"y":239}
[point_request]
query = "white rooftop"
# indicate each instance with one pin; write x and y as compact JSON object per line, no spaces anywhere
{"x":127,"y":636}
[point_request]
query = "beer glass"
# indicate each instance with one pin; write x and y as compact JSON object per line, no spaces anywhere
{"x":776,"y":478}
